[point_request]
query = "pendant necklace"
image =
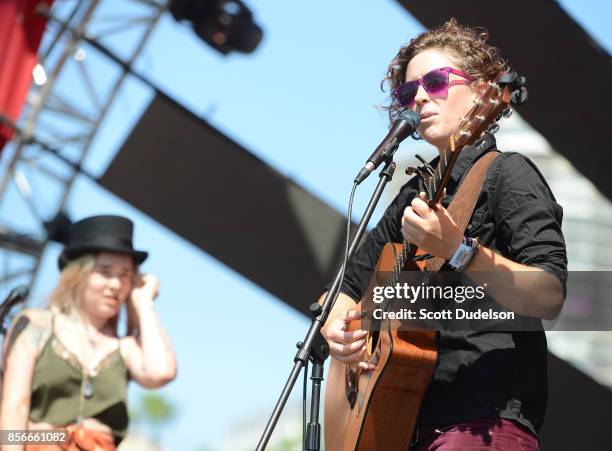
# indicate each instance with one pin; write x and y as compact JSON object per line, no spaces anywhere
{"x":87,"y":387}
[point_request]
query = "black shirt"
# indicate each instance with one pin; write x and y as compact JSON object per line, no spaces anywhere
{"x":485,"y":374}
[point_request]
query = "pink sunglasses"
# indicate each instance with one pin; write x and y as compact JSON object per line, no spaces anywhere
{"x":435,"y":83}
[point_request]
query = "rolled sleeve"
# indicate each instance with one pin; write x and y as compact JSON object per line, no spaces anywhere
{"x":528,"y":218}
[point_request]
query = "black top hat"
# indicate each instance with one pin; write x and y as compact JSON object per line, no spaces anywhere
{"x":100,"y":233}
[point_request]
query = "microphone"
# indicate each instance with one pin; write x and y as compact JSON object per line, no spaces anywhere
{"x":16,"y":296}
{"x":404,"y":126}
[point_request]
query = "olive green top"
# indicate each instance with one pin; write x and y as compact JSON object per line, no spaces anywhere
{"x":63,"y":393}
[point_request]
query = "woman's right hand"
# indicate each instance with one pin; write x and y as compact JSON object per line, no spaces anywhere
{"x":345,"y":345}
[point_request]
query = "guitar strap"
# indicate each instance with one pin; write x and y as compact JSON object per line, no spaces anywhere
{"x":462,"y":206}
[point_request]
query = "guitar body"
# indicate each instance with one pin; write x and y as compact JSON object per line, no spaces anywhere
{"x":378,"y":409}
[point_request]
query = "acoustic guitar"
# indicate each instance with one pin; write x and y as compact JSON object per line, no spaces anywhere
{"x":377,"y":410}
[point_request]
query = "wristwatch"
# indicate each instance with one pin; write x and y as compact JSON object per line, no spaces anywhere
{"x":464,"y":253}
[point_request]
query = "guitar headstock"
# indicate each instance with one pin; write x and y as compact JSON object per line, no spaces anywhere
{"x":494,"y":104}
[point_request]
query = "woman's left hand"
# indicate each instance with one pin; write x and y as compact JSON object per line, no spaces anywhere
{"x":433,"y":230}
{"x":148,"y":354}
{"x":145,"y":290}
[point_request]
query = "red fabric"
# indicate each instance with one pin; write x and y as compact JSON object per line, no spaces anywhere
{"x":21,"y":30}
{"x":487,"y":434}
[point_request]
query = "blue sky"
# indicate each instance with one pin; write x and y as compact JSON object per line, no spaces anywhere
{"x":305,"y":103}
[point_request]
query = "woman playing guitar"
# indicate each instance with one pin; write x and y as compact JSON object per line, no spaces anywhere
{"x":488,"y":389}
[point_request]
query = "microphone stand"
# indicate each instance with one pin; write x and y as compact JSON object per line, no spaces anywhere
{"x":314,"y":347}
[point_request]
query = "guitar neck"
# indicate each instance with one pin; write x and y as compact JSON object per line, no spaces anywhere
{"x":438,"y":182}
{"x":435,"y":184}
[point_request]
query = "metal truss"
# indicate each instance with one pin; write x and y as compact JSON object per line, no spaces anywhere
{"x":64,"y":110}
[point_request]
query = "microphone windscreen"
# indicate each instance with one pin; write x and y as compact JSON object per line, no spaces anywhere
{"x":410,"y":116}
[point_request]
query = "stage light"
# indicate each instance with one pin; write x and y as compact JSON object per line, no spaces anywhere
{"x":225,"y":25}
{"x":80,"y":55}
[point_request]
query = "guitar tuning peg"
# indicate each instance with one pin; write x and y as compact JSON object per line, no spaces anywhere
{"x":410,"y":170}
{"x":507,"y":78}
{"x":494,"y":128}
{"x":508,"y":112}
{"x":519,"y":96}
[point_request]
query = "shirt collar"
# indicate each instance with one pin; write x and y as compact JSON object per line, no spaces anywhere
{"x":466,"y":158}
{"x":470,"y":154}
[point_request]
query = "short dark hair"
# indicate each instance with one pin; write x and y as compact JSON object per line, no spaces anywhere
{"x":469,"y":46}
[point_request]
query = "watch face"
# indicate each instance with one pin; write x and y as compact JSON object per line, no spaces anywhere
{"x":463,"y":254}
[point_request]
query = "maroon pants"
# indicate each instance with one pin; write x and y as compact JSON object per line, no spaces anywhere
{"x":487,"y":434}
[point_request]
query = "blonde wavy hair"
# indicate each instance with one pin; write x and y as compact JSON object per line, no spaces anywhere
{"x":69,"y":290}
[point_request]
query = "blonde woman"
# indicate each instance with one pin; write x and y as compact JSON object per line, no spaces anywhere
{"x":66,"y":366}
